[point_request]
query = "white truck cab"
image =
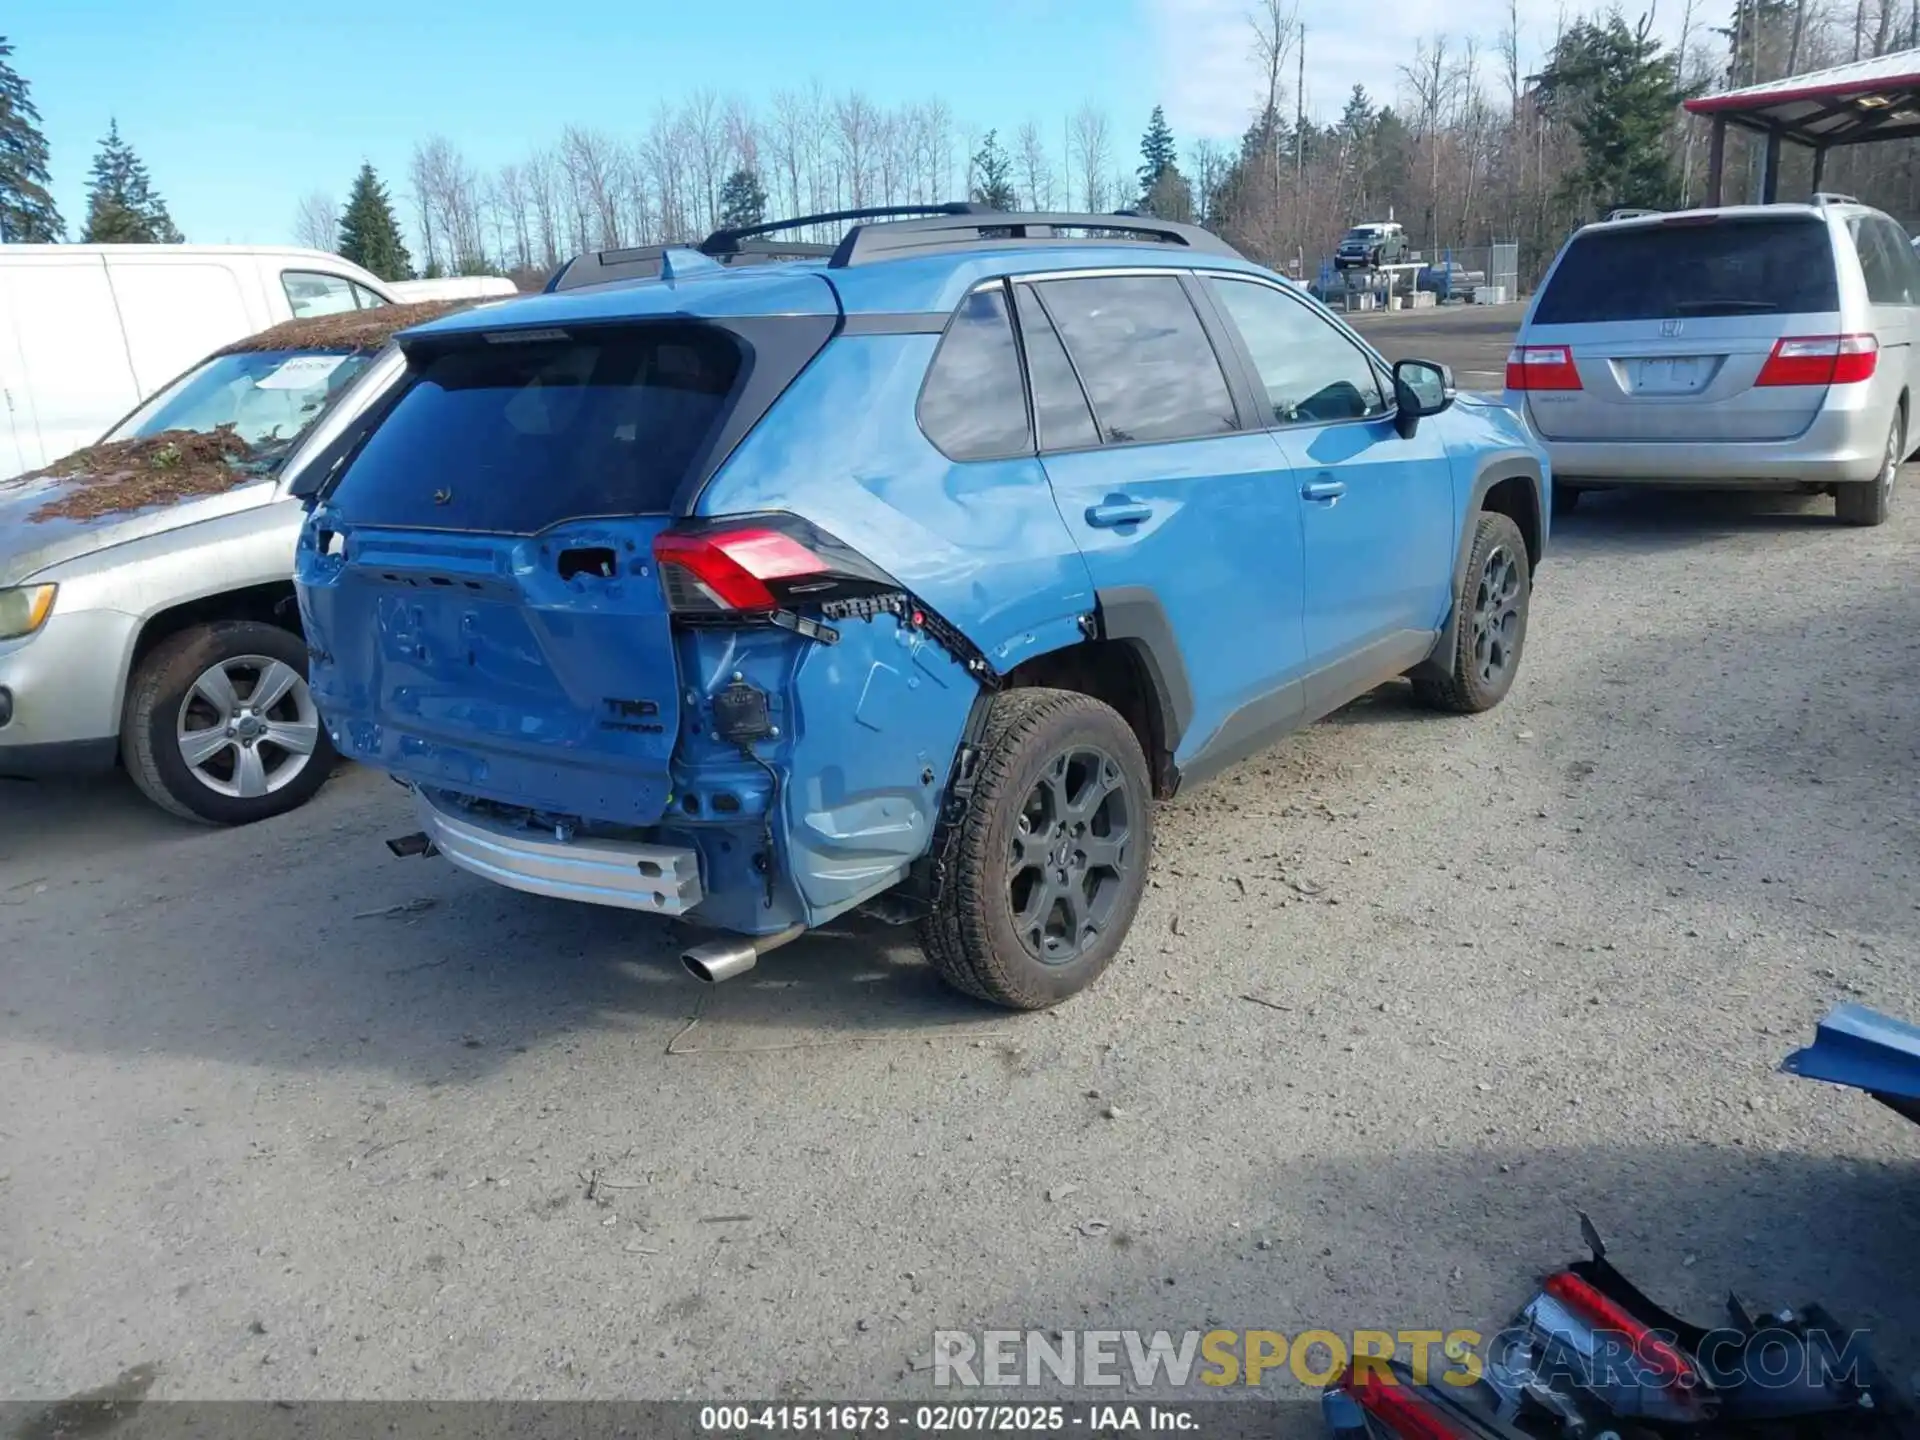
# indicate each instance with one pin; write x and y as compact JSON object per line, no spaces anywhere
{"x":87,"y":332}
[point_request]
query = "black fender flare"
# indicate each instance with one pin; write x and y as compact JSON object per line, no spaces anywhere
{"x":1132,"y":615}
{"x":1496,"y":467}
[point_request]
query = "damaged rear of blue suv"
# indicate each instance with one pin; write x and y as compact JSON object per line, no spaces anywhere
{"x":904,"y":573}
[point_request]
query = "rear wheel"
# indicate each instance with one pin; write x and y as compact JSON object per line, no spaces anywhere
{"x":1869,"y":502}
{"x":1490,"y":629}
{"x":220,"y":726}
{"x":1044,"y":871}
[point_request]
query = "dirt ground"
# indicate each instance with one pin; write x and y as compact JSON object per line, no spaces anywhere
{"x":285,"y":1116}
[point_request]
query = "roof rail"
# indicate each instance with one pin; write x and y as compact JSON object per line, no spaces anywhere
{"x":965,"y":230}
{"x":1632,"y":213}
{"x":644,"y":262}
{"x":727,"y":242}
{"x":1830,"y":197}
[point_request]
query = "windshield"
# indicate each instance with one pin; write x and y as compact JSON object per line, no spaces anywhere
{"x":1362,"y":232}
{"x":268,"y":397}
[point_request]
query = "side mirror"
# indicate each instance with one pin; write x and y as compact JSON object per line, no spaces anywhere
{"x":1420,"y":388}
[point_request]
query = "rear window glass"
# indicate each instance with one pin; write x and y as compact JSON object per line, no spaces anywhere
{"x":1665,"y":272}
{"x":515,"y":437}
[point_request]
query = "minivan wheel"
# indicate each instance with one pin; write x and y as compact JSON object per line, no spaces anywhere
{"x":220,"y":726}
{"x":1870,"y":501}
{"x":1494,"y":591}
{"x":1045,"y":869}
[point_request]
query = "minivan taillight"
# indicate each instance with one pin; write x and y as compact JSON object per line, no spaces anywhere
{"x":1541,"y":367}
{"x":1820,"y":360}
{"x":753,"y":565}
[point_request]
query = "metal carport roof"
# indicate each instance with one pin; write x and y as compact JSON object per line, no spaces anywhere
{"x":1853,"y":104}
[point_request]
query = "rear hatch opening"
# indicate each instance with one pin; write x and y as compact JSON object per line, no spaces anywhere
{"x":487,"y":618}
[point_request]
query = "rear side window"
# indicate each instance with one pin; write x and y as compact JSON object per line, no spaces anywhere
{"x":973,"y":405}
{"x":512,"y":438}
{"x":1887,"y":262}
{"x":1147,"y":364}
{"x":1669,"y":272}
{"x":1059,"y":405}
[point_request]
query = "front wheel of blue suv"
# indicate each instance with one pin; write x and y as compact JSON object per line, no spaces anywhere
{"x":1043,"y":871}
{"x":1491,"y":601}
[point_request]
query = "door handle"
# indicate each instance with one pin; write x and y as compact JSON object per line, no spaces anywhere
{"x":1117,"y":512}
{"x":1323,"y":490}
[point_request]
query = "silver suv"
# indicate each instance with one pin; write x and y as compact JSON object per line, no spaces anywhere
{"x":1752,"y":346}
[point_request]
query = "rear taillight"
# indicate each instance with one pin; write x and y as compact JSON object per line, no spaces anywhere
{"x":1666,"y":1365}
{"x":1541,"y":367}
{"x":754,"y":565}
{"x":1820,"y":360}
{"x":729,"y":570}
{"x":1394,"y":1408}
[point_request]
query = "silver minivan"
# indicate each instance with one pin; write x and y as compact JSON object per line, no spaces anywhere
{"x":1768,"y":346}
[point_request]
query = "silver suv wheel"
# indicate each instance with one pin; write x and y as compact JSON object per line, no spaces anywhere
{"x":248,"y":726}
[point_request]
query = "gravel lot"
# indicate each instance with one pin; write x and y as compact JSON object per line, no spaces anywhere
{"x":287,"y":1117}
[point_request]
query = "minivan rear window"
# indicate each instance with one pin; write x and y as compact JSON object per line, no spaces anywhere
{"x":1673,"y":271}
{"x":517,"y":435}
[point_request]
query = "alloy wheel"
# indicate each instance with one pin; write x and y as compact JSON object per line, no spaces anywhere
{"x":1496,"y":615}
{"x":248,"y":726}
{"x":1071,"y":853}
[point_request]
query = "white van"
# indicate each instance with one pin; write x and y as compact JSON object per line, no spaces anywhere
{"x":87,"y":332}
{"x":452,"y":287}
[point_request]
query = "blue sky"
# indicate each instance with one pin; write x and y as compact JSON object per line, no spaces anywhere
{"x":240,"y":108}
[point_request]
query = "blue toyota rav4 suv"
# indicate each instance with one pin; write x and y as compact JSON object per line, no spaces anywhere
{"x":904,"y":574}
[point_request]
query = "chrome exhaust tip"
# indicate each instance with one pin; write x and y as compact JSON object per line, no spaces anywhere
{"x":719,"y":960}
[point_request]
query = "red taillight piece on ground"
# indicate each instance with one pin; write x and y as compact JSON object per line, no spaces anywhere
{"x":729,"y":569}
{"x":1542,"y":367}
{"x":1820,"y":360}
{"x":1670,"y":1368}
{"x":1401,"y":1409}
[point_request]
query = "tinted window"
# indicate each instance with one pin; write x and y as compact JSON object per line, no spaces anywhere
{"x":1059,"y":405}
{"x":310,"y":293}
{"x":973,"y":405}
{"x":516,"y":437}
{"x":1670,"y":271}
{"x":1312,"y":373}
{"x":1886,"y":260}
{"x":1147,"y":365}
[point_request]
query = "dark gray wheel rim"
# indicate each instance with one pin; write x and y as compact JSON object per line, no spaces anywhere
{"x":1071,"y":856}
{"x":1496,"y":616}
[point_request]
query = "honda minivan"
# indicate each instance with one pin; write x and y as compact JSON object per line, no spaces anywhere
{"x":1750,"y":346}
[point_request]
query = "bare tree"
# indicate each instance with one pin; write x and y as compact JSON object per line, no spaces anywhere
{"x":591,"y":162}
{"x":1209,"y":164}
{"x":856,"y":127}
{"x":512,"y":205}
{"x":543,"y":197}
{"x":316,"y":222}
{"x":420,"y":174}
{"x":703,"y":125}
{"x":663,"y":153}
{"x":743,"y":135}
{"x":787,"y":146}
{"x":1092,"y":146}
{"x":1035,"y":167}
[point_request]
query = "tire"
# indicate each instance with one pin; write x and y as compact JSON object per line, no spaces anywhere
{"x":1869,"y":502}
{"x":1494,"y":592}
{"x":1566,"y":500}
{"x":240,"y":774}
{"x":993,"y":929}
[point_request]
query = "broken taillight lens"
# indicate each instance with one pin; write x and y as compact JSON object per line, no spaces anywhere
{"x":1392,"y":1406}
{"x":1594,"y":1342}
{"x":1542,"y":367}
{"x":753,"y":565}
{"x":1820,"y":360}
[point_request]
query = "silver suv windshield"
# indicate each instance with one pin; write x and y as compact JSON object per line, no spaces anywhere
{"x":268,"y":397}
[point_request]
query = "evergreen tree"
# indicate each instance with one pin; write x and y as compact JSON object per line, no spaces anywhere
{"x":1158,"y":154}
{"x":1616,"y":89}
{"x":743,"y":201}
{"x":27,"y":212}
{"x":1171,"y":197}
{"x":993,"y":175}
{"x":122,"y":205}
{"x":369,"y":233}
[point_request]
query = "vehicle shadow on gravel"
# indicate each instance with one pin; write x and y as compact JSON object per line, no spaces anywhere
{"x":1631,"y":519}
{"x":335,"y":954}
